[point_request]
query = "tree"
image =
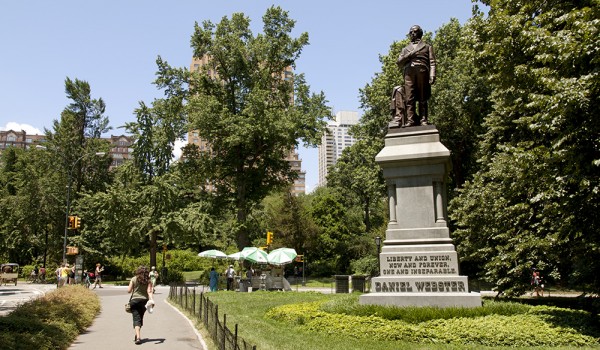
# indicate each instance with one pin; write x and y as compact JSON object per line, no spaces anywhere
{"x":375,"y":96}
{"x":248,"y":109}
{"x":68,"y":163}
{"x":31,"y":211}
{"x":534,"y":203}
{"x":110,"y":227}
{"x":340,"y":232}
{"x":77,"y":133}
{"x":460,"y":98}
{"x":289,"y":218}
{"x":155,"y":132}
{"x":359,"y":178}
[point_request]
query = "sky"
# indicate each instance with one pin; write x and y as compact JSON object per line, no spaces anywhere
{"x":113,"y":45}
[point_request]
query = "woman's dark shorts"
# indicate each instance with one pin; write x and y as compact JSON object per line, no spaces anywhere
{"x":138,"y":308}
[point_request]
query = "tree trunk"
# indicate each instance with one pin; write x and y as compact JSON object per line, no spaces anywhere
{"x":242,"y":234}
{"x":367,"y":216}
{"x":153,"y":235}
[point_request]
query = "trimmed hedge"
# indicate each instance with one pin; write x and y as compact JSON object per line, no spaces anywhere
{"x":181,"y":260}
{"x":50,"y":321}
{"x":532,"y":326}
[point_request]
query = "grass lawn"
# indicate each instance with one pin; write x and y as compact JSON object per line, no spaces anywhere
{"x":191,"y":276}
{"x":248,"y":311}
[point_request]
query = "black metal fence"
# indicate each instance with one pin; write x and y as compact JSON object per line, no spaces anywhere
{"x":204,"y":310}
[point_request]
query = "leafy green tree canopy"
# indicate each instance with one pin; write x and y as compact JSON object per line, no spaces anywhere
{"x":535,"y":200}
{"x":246,"y":103}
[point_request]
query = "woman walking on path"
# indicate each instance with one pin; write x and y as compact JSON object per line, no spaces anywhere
{"x":142,"y":291}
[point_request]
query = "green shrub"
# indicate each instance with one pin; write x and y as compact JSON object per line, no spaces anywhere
{"x":349,"y":305}
{"x":25,"y":271}
{"x":321,"y":268}
{"x":173,"y":276}
{"x":204,"y":278}
{"x":180,"y":260}
{"x":365,"y":266}
{"x":491,"y":325}
{"x":51,"y":321}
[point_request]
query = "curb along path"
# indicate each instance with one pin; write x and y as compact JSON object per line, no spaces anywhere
{"x":166,"y":328}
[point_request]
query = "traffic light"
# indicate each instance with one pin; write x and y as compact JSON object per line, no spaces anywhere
{"x":269,"y":237}
{"x":77,"y":222}
{"x":71,"y":223}
{"x":299,"y":258}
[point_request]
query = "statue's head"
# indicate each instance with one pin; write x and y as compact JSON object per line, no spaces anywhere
{"x":415,"y":32}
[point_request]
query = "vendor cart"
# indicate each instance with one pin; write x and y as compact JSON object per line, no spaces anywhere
{"x":9,"y":273}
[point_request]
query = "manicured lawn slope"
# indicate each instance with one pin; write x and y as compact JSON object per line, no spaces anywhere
{"x":290,"y":320}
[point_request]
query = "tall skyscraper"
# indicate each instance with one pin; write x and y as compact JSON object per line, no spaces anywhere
{"x":334,"y":141}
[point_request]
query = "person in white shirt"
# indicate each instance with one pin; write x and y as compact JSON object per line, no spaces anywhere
{"x":230,"y":274}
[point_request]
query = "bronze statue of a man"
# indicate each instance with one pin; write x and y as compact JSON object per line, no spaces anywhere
{"x":418,"y":61}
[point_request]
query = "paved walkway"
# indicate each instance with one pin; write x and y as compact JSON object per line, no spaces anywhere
{"x":11,"y":296}
{"x":166,"y":328}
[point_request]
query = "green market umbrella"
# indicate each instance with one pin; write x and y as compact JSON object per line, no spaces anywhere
{"x":235,"y":256}
{"x":213,"y":254}
{"x":254,"y":255}
{"x":281,"y":256}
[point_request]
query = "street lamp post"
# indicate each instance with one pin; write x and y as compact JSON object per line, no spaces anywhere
{"x":69,"y":184}
{"x":378,"y":243}
{"x":69,"y":203}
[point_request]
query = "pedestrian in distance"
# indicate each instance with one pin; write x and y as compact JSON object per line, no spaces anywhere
{"x":153,"y":278}
{"x":230,"y":274}
{"x":249,"y":274}
{"x":64,"y":274}
{"x":43,"y":274}
{"x":141,"y":290}
{"x":537,"y":284}
{"x":72,"y":275}
{"x":213,"y":277}
{"x":86,"y":281}
{"x":98,"y":275}
{"x":58,"y":273}
{"x":33,"y":278}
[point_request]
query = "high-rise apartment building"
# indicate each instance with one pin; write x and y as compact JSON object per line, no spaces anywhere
{"x":299,"y":186}
{"x":334,"y":141}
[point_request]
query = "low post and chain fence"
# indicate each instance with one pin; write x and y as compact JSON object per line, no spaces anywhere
{"x":203,"y":310}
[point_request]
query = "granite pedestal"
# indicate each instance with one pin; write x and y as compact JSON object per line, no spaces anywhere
{"x":418,"y":262}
